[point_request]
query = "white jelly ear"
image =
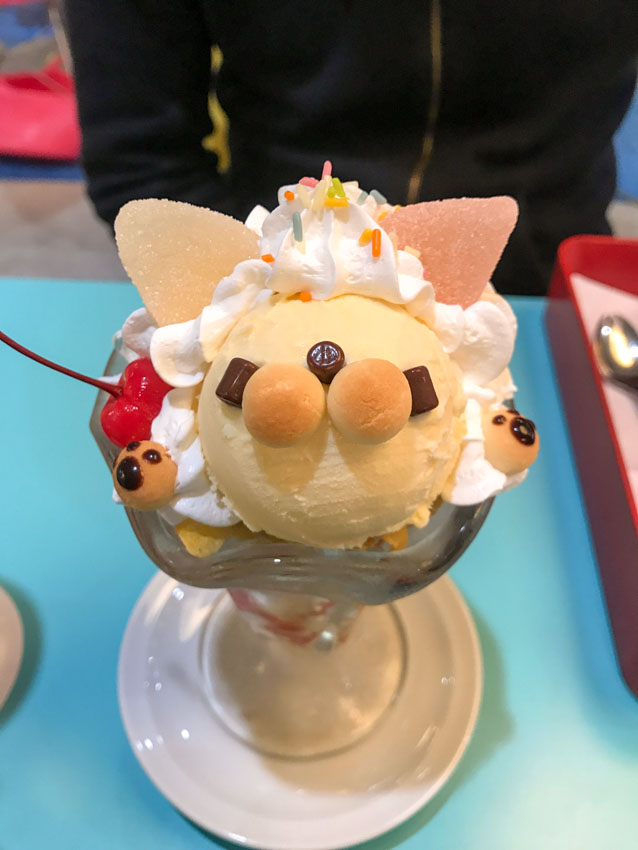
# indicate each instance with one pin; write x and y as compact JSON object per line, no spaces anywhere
{"x":176,"y":253}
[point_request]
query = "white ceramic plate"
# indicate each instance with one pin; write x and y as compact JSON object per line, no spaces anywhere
{"x":316,"y":804}
{"x":11,"y":644}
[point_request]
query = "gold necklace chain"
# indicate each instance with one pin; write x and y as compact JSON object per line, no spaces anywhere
{"x":436,"y":57}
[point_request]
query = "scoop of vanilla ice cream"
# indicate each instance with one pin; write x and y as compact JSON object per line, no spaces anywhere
{"x":328,"y":491}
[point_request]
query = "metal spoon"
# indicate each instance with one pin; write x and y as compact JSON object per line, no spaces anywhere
{"x":616,"y":350}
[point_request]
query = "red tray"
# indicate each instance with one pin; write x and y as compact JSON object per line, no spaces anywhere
{"x":613,"y":514}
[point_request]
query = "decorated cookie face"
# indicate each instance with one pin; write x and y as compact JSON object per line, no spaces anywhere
{"x":144,"y":475}
{"x":511,"y":441}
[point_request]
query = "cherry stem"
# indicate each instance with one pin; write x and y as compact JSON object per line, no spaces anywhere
{"x":113,"y":389}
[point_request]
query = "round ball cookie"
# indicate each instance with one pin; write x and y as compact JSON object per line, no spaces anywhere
{"x":144,"y":475}
{"x":282,"y":404}
{"x":511,"y":441}
{"x":369,"y":401}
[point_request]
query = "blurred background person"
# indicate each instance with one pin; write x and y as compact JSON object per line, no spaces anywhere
{"x":418,"y":100}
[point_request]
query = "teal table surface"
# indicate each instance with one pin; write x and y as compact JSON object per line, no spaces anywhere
{"x":554,"y":759}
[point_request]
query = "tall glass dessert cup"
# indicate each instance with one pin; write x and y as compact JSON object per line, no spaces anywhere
{"x":304,"y":653}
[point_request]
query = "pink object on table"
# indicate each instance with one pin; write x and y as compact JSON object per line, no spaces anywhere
{"x":38,"y":115}
{"x":583,"y":264}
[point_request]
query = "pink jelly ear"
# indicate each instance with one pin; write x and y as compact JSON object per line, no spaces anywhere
{"x":459,"y":240}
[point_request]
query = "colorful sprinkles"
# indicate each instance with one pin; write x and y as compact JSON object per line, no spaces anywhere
{"x":309,"y":181}
{"x":378,"y":197}
{"x":304,"y":195}
{"x":376,"y":243}
{"x":336,"y":202}
{"x":268,"y":258}
{"x":362,"y":196}
{"x":305,"y":297}
{"x":288,"y":195}
{"x":320,"y":194}
{"x":327,"y":169}
{"x":297,"y":227}
{"x":366,"y":236}
{"x":337,"y":185}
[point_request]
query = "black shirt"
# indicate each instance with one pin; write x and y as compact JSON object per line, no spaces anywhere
{"x":419,"y":100}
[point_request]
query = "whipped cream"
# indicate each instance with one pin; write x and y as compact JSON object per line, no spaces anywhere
{"x":195,"y":496}
{"x":181,"y":353}
{"x":330,"y":259}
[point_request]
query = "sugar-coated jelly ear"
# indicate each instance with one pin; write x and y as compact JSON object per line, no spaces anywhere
{"x":283,"y":403}
{"x":459,"y":240}
{"x":511,"y":440}
{"x":369,"y":401}
{"x":175,"y":254}
{"x":144,"y":475}
{"x":325,"y":359}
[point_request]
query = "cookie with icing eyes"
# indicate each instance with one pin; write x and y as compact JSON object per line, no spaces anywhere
{"x":144,"y":475}
{"x":511,"y":440}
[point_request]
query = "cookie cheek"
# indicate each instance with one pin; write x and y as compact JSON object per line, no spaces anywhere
{"x":283,"y":403}
{"x":369,"y":401}
{"x":511,"y":441}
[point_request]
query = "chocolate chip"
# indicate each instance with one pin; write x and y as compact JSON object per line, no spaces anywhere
{"x":499,"y":419}
{"x":524,"y":430}
{"x":132,"y":446}
{"x":152,"y":456}
{"x":325,"y":359}
{"x":424,"y":396}
{"x":231,"y":387}
{"x":129,"y":473}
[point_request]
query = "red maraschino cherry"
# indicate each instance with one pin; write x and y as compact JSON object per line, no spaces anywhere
{"x":135,"y":400}
{"x":130,"y":416}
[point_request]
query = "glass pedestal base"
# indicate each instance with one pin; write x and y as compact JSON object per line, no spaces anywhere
{"x":243,"y":795}
{"x":299,"y":701}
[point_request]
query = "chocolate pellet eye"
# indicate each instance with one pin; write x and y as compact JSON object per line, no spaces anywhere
{"x":524,"y":430}
{"x":424,"y":395}
{"x":325,"y":359}
{"x":129,"y":474}
{"x":132,"y":446}
{"x":231,"y":387}
{"x":152,"y":456}
{"x":499,"y":420}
